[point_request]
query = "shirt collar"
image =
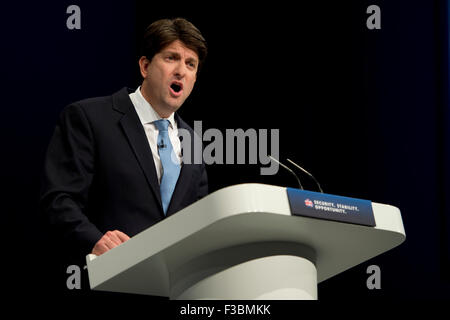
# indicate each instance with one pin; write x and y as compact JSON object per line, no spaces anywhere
{"x":145,"y":111}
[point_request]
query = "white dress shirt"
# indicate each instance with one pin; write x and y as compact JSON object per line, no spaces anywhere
{"x":147,"y":115}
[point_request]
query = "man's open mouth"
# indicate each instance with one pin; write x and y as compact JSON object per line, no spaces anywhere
{"x":176,"y":87}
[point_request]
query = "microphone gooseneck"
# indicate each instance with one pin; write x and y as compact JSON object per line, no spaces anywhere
{"x":309,"y":174}
{"x":288,"y":169}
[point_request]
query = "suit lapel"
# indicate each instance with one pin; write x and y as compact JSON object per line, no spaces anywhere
{"x":184,"y":180}
{"x":137,"y":139}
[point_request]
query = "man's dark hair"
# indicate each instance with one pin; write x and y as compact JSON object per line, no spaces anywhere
{"x":162,"y":33}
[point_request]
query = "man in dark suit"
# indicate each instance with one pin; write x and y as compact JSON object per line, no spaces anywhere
{"x":107,"y":175}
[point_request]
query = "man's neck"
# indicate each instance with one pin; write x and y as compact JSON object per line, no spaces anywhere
{"x":158,"y":110}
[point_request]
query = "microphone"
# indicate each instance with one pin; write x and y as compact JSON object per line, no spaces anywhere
{"x":309,"y":174}
{"x":288,"y":169}
{"x":161,"y":145}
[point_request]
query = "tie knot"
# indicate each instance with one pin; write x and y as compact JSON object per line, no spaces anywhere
{"x":162,"y":124}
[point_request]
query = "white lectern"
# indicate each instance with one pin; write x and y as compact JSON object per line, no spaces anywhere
{"x":242,"y":242}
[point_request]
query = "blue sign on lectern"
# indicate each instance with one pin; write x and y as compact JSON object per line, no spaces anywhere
{"x":330,"y":207}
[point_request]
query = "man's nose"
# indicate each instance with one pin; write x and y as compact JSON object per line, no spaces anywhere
{"x":180,"y":70}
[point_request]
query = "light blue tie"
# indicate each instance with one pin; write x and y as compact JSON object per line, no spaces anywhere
{"x":171,"y":167}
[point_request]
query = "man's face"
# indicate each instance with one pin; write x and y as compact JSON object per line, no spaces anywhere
{"x":169,"y":78}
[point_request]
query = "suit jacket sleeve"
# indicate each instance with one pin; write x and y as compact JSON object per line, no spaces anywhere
{"x":68,"y":173}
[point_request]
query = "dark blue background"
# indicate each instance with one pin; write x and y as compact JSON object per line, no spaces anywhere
{"x":366,"y":111}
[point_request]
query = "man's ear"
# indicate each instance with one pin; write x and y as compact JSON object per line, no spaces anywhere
{"x":143,"y":66}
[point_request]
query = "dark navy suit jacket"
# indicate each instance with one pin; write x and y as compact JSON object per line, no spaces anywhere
{"x":99,"y":174}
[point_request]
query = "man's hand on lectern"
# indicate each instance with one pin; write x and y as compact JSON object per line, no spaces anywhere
{"x":109,"y":240}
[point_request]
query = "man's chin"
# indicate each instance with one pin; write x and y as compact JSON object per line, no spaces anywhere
{"x":173,"y":107}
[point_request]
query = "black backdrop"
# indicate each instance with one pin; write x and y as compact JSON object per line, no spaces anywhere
{"x":366,"y":111}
